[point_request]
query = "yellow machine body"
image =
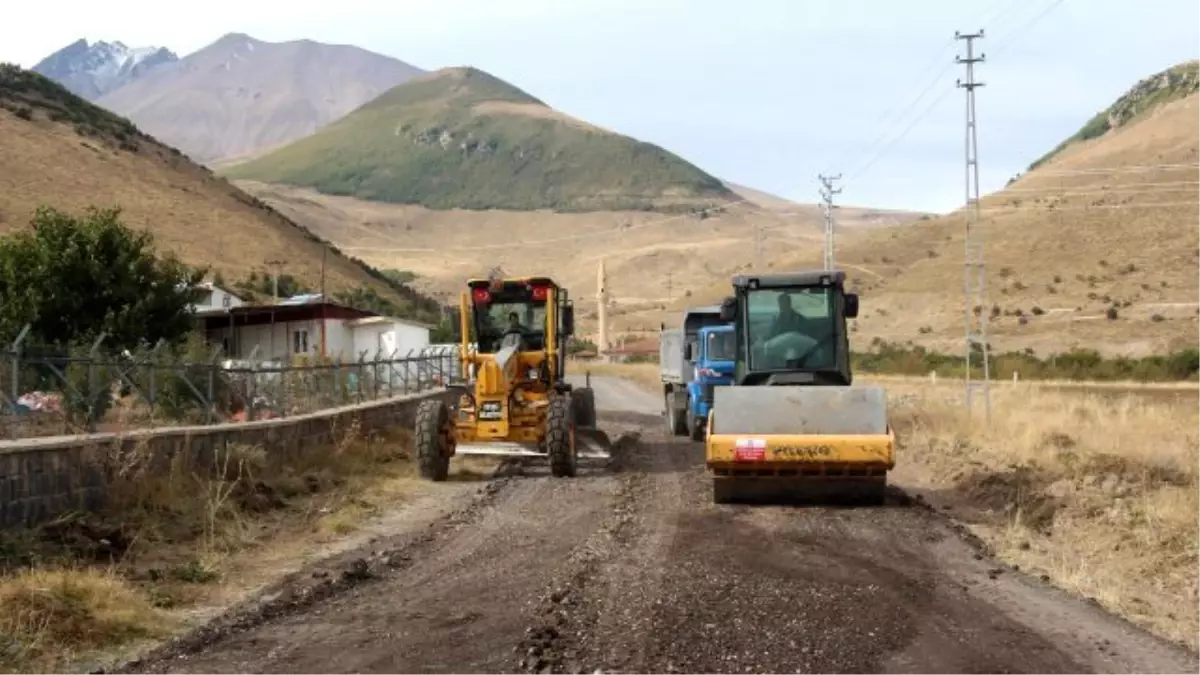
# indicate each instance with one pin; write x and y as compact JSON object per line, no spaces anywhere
{"x":792,"y":425}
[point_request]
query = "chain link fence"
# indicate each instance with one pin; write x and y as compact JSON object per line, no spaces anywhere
{"x":95,"y":388}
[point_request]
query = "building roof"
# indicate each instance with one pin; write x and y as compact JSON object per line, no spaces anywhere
{"x":373,"y":320}
{"x":252,"y":315}
{"x":212,"y":286}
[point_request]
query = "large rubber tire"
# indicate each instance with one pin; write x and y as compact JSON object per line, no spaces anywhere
{"x":584,"y":401}
{"x":695,"y":426}
{"x":431,"y":438}
{"x":559,"y":438}
{"x":676,"y":419}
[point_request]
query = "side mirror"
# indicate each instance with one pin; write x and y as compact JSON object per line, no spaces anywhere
{"x":568,"y":320}
{"x":851,"y":305}
{"x":687,"y":352}
{"x":728,"y":309}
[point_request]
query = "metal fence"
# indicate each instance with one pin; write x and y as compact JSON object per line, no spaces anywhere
{"x":48,"y":392}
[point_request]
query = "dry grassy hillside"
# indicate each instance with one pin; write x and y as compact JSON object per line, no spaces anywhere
{"x":650,"y":258}
{"x":846,"y":216}
{"x":1108,"y":222}
{"x":90,"y":157}
{"x":239,"y":95}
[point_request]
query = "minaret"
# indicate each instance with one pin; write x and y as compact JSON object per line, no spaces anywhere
{"x":602,"y":311}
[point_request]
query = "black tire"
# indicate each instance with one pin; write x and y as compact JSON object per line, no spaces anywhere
{"x":676,"y":419}
{"x":432,"y":436}
{"x":584,"y":400}
{"x":559,"y":445}
{"x":695,"y":426}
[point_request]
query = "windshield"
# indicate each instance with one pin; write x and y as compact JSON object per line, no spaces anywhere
{"x":495,"y":319}
{"x":720,"y":346}
{"x":791,"y":328}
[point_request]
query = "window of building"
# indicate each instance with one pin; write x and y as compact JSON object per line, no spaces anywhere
{"x":225,"y":300}
{"x":300,"y":341}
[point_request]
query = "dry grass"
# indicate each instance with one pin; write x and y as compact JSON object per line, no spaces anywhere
{"x":645,"y":374}
{"x":49,"y":615}
{"x":444,"y":248}
{"x":1095,"y":488}
{"x":180,"y":543}
{"x":1067,"y":243}
{"x":1096,"y":491}
{"x":203,"y":219}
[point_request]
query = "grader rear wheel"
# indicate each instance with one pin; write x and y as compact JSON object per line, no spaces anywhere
{"x":560,"y":444}
{"x":432,"y":439}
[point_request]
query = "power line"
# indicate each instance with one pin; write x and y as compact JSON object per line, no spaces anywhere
{"x":998,"y":11}
{"x":1012,"y":37}
{"x":974,"y":271}
{"x":928,"y":109}
{"x":827,"y":194}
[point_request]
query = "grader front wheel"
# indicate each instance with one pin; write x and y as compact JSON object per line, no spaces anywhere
{"x":560,"y":444}
{"x":432,"y":438}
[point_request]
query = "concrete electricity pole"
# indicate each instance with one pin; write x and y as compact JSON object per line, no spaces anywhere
{"x":758,"y":242}
{"x":975,"y":306}
{"x":275,"y":280}
{"x":827,"y":194}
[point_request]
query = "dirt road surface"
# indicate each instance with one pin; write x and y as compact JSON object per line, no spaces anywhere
{"x":631,"y":568}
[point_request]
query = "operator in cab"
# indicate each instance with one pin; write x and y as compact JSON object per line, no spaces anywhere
{"x":787,"y":320}
{"x":787,"y":344}
{"x":514,"y":334}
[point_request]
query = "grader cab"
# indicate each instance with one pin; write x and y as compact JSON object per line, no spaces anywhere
{"x":516,"y":401}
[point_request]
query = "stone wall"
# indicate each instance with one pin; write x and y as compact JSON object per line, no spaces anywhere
{"x":42,"y":478}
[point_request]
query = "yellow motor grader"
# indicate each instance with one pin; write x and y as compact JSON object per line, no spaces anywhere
{"x":516,"y":401}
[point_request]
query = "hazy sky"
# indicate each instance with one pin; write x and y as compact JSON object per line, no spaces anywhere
{"x":767,"y":93}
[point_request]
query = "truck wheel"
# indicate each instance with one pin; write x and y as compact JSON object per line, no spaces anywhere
{"x":560,"y":446}
{"x":676,"y":418}
{"x":432,"y":438}
{"x":695,"y":426}
{"x":680,"y":420}
{"x":584,"y":401}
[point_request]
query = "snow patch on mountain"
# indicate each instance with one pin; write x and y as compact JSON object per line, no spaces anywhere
{"x":92,"y":70}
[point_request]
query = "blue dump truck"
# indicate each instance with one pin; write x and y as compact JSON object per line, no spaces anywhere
{"x":693,"y":359}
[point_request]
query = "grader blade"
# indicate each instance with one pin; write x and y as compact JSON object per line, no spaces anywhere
{"x":592,"y":443}
{"x":589,"y":444}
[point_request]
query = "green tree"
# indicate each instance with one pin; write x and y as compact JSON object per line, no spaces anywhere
{"x":74,"y":277}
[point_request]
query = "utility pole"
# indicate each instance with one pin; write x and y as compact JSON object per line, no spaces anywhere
{"x":758,"y":245}
{"x":275,"y":281}
{"x":669,"y":287}
{"x":975,"y":308}
{"x":827,"y":194}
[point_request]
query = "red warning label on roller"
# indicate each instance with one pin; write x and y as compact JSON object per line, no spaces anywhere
{"x":750,"y":450}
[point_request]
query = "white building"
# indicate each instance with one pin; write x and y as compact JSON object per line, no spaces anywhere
{"x":213,"y":297}
{"x":313,"y":328}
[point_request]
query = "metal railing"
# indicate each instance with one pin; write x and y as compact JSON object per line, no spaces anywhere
{"x":50,"y":392}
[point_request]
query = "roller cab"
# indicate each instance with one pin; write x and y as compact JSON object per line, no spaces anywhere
{"x":792,"y":425}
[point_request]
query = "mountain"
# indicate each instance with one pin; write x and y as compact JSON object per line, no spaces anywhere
{"x":239,"y":96}
{"x":93,"y":70}
{"x":461,"y":138}
{"x":1096,"y":247}
{"x":58,"y":150}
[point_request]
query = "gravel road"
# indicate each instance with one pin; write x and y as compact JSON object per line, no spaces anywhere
{"x":630,"y":568}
